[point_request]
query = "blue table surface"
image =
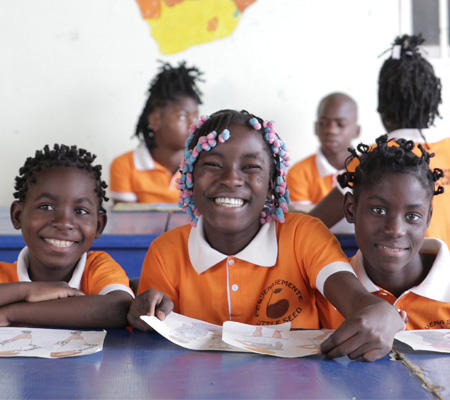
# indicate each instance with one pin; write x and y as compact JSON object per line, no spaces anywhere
{"x":138,"y":365}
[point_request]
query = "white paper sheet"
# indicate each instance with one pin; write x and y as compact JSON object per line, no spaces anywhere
{"x":273,"y":341}
{"x":276,"y":340}
{"x":426,"y":339}
{"x":190,"y":333}
{"x":49,"y":343}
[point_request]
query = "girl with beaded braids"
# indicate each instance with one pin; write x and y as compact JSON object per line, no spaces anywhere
{"x":391,"y":208}
{"x":409,"y":94}
{"x":148,"y":174}
{"x":243,"y":257}
{"x":56,"y":281}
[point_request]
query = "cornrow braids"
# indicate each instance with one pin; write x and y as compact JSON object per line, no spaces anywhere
{"x":60,"y":156}
{"x":207,"y":132}
{"x":409,"y":93}
{"x":390,"y":156}
{"x":168,"y":85}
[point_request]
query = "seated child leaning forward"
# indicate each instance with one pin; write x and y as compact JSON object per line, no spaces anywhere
{"x":391,"y":208}
{"x":243,"y":259}
{"x":55,"y":282}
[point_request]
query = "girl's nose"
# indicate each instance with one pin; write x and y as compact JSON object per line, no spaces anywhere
{"x":63,"y":220}
{"x":231,"y":177}
{"x":395,"y":226}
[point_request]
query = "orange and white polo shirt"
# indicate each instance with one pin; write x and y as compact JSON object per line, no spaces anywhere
{"x":95,"y":273}
{"x":310,"y":180}
{"x":272,"y":281}
{"x":136,"y":177}
{"x":427,"y":304}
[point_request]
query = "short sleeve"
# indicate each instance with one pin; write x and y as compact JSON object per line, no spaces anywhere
{"x":103,"y":275}
{"x":121,"y":187}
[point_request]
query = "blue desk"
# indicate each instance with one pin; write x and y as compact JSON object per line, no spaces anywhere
{"x":137,"y":365}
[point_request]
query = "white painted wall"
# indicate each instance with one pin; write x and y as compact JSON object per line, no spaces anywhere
{"x":77,"y":71}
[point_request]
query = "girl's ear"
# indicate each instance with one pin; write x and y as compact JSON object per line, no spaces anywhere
{"x":349,"y":207}
{"x":271,"y":187}
{"x":15,"y":212}
{"x":154,"y":119}
{"x":102,"y":219}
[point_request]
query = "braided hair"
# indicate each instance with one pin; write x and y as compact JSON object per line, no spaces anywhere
{"x":60,"y":156}
{"x":205,"y":135}
{"x":168,"y":85}
{"x":409,"y":92}
{"x":390,"y":156}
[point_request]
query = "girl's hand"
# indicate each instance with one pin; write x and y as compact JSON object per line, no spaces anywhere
{"x":368,"y":334}
{"x":42,"y":291}
{"x":152,"y":302}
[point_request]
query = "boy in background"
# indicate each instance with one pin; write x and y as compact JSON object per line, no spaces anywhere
{"x":311,"y":179}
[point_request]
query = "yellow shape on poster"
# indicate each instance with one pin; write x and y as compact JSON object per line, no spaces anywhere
{"x":191,"y":22}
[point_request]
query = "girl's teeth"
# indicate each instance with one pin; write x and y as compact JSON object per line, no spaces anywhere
{"x":229,"y":202}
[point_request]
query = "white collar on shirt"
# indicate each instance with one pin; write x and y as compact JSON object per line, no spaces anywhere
{"x":262,"y":250}
{"x":323,"y":166}
{"x":23,"y":264}
{"x":142,"y":158}
{"x":432,"y":135}
{"x":436,"y":285}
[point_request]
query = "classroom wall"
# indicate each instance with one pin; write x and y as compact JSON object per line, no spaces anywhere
{"x":77,"y":71}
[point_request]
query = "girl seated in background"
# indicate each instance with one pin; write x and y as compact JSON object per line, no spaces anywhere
{"x":391,"y":208}
{"x":243,"y":258}
{"x":148,"y":174}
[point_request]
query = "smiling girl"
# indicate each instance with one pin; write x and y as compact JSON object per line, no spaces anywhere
{"x":56,"y":282}
{"x":391,"y":208}
{"x":243,"y":258}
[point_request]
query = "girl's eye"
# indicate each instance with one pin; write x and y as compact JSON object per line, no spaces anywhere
{"x":379,"y":210}
{"x":211,"y":164}
{"x":413,"y":217}
{"x":81,"y":211}
{"x":46,"y":207}
{"x":182,"y":117}
{"x":251,"y":166}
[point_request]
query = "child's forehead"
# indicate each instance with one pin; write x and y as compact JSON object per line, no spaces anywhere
{"x":339,"y":105}
{"x":391,"y":183}
{"x":69,"y":176}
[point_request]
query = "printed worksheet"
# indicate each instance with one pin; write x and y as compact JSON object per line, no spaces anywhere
{"x":273,"y":341}
{"x":190,"y":333}
{"x":49,"y":343}
{"x":276,"y":340}
{"x":426,"y":339}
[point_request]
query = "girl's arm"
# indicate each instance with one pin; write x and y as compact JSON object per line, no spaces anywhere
{"x":371,"y":323}
{"x":89,"y":311}
{"x":15,"y":292}
{"x":331,"y":209}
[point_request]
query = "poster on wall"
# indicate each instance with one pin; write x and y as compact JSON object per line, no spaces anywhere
{"x":179,"y":24}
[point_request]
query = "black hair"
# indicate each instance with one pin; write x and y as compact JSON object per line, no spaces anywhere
{"x":385,"y":158}
{"x":409,"y":93}
{"x":61,"y":156}
{"x":168,"y":85}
